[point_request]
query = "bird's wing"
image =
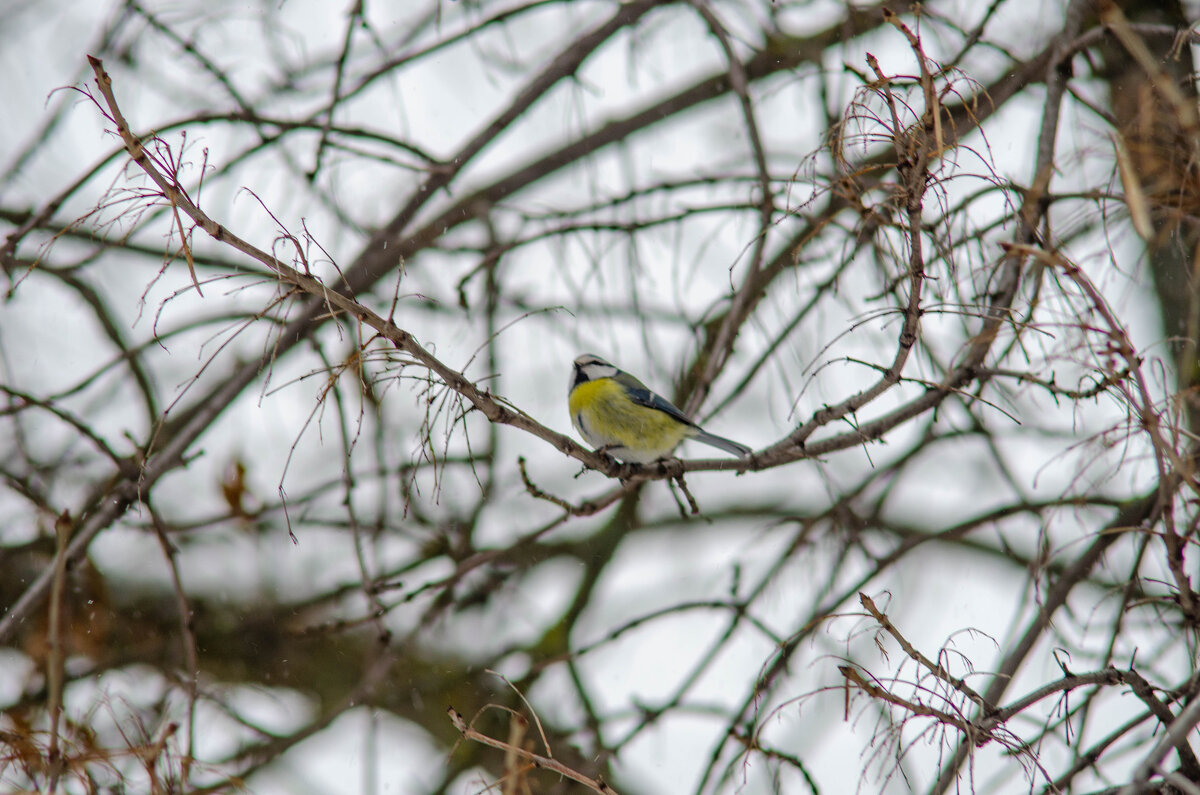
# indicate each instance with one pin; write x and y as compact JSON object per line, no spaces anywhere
{"x":639,"y":393}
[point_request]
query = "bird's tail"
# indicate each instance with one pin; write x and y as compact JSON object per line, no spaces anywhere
{"x":728,"y":445}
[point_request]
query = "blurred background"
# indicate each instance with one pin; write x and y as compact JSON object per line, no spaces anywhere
{"x":936,"y":266}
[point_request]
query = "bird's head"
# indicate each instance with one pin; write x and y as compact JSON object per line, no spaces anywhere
{"x":589,"y":367}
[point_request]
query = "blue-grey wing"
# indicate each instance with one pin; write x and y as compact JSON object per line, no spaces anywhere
{"x":640,"y":394}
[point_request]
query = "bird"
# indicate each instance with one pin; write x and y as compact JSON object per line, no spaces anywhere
{"x":619,"y":415}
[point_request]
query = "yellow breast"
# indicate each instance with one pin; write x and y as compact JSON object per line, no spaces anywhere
{"x":605,"y":416}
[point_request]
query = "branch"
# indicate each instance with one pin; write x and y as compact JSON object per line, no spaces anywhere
{"x":1175,"y":737}
{"x":937,"y":670}
{"x":544,"y":762}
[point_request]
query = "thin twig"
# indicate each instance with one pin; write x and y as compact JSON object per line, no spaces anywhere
{"x":544,"y":762}
{"x":936,"y":669}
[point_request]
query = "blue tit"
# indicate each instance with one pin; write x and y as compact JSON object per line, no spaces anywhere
{"x":618,"y":415}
